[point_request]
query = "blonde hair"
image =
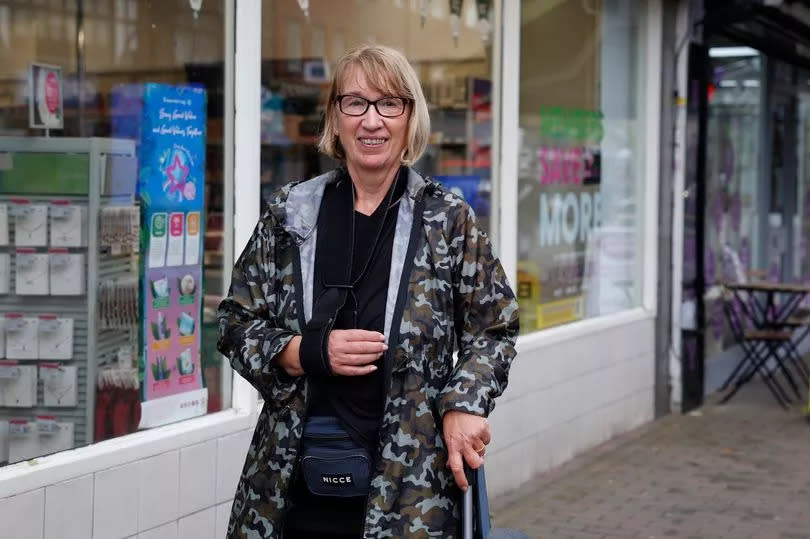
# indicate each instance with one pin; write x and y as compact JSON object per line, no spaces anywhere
{"x":388,"y":71}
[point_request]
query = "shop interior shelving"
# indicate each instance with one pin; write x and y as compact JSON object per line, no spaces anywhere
{"x":110,"y":180}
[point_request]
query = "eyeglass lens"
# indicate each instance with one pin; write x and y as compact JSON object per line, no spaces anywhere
{"x":354,"y":105}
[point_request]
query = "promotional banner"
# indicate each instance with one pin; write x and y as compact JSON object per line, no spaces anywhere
{"x":171,"y":180}
{"x":569,"y":200}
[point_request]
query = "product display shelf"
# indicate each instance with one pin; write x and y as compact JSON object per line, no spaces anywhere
{"x":92,"y":346}
{"x":74,"y":307}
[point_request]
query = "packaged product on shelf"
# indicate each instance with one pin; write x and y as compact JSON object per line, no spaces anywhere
{"x":3,"y":224}
{"x":55,"y":337}
{"x":68,"y":224}
{"x":30,"y":224}
{"x":20,"y":389}
{"x":27,"y":441}
{"x":118,"y":303}
{"x":67,"y":275}
{"x":21,"y":336}
{"x":31,"y":275}
{"x":59,"y":385}
{"x":5,"y":273}
{"x":119,"y":229}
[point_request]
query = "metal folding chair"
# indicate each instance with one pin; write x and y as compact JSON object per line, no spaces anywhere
{"x":799,"y":328}
{"x":761,"y":352}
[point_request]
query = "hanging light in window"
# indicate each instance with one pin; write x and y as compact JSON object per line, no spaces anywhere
{"x":484,"y":25}
{"x":423,"y":7}
{"x":304,"y":5}
{"x":455,"y":18}
{"x":196,"y":5}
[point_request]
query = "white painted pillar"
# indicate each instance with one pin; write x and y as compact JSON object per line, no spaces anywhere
{"x":247,"y":149}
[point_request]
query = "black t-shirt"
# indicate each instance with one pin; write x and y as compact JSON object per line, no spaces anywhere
{"x":357,"y":400}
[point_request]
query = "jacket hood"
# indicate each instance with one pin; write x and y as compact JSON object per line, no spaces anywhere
{"x":295,"y":206}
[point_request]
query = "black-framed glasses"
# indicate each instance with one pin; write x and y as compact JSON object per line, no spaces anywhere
{"x":389,"y":107}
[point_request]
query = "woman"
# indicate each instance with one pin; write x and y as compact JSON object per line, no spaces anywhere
{"x":345,"y":311}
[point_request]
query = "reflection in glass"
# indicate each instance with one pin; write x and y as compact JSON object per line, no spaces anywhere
{"x":298,"y":55}
{"x":579,"y":164}
{"x":106,"y":53}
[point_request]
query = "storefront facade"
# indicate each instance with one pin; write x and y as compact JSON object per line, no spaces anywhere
{"x":745,"y":212}
{"x":544,"y":117}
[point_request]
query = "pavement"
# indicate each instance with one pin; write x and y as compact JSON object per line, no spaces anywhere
{"x":739,"y":470}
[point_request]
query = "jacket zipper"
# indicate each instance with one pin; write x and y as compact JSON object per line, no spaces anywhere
{"x":399,"y":308}
{"x":299,"y":296}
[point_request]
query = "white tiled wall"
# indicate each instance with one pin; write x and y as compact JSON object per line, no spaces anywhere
{"x":199,"y":525}
{"x":570,"y":396}
{"x":167,"y":531}
{"x":197,"y":482}
{"x":115,"y":502}
{"x":69,"y":509}
{"x":180,"y":494}
{"x":23,"y":516}
{"x":228,"y":467}
{"x":158,"y":490}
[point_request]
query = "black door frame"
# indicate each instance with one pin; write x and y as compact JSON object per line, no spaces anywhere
{"x":693,"y":339}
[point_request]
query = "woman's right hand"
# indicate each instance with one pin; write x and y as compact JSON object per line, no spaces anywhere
{"x":289,"y":359}
{"x":352,"y":352}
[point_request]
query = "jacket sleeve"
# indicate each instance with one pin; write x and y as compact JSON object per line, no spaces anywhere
{"x":249,"y":333}
{"x":486,"y":321}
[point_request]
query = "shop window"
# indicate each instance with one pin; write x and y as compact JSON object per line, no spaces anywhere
{"x":455,"y":71}
{"x":580,"y":181}
{"x":734,"y":194}
{"x":111,"y":220}
{"x":803,"y":185}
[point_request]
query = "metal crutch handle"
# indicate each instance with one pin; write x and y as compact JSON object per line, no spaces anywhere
{"x":467,"y":508}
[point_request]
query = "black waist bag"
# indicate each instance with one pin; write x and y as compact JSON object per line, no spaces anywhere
{"x":333,"y":464}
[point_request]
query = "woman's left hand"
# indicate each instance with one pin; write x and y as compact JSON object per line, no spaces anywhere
{"x":466,"y":436}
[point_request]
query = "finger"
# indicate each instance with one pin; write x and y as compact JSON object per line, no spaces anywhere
{"x":344,"y":370}
{"x":356,"y":360}
{"x":456,"y":466}
{"x":363,"y":335}
{"x":485,"y":437}
{"x":474,"y":460}
{"x":362,"y":347}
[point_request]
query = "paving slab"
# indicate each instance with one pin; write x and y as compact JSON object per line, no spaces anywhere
{"x":738,"y":470}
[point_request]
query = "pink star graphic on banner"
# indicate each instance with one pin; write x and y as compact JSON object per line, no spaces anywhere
{"x":177,"y":173}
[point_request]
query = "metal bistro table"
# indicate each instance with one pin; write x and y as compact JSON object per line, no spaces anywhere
{"x":764,"y":327}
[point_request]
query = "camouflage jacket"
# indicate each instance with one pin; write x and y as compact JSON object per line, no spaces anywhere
{"x":447,"y":293}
